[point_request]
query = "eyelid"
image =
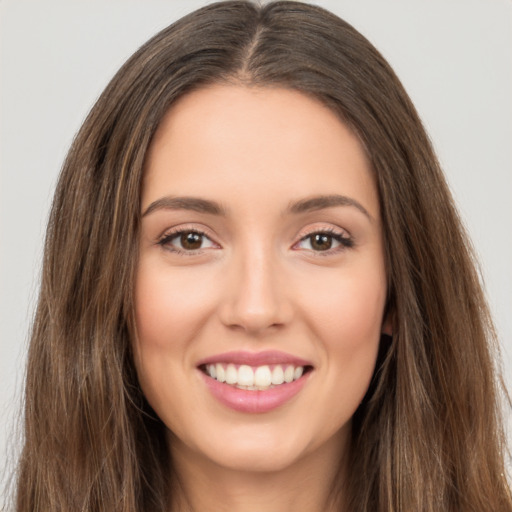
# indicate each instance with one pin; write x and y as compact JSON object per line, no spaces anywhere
{"x":175,"y":231}
{"x":323,"y":228}
{"x":342,"y":236}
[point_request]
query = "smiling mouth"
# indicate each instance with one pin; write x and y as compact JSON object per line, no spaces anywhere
{"x":255,"y":378}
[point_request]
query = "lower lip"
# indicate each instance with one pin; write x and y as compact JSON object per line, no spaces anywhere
{"x":255,"y":402}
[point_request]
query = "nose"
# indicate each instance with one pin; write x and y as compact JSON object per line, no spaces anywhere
{"x":255,"y":298}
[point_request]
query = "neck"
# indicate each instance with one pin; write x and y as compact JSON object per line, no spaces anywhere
{"x":311,"y":484}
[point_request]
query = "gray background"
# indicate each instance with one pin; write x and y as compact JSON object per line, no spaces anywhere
{"x":453,"y":56}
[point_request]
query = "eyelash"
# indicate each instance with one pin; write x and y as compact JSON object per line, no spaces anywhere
{"x":346,"y":242}
{"x":166,"y":240}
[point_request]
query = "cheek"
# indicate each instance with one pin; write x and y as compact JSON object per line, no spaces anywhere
{"x":346,"y":316}
{"x":350,"y":306}
{"x":169,"y":307}
{"x":160,"y":341}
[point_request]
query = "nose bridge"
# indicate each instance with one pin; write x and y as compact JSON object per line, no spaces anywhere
{"x":254,"y":298}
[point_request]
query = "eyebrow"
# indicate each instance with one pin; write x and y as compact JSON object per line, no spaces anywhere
{"x":195,"y":204}
{"x":200,"y":205}
{"x":326,"y":201}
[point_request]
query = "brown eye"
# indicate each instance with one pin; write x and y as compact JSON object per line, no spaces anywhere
{"x":186,"y":241}
{"x":325,"y":241}
{"x":321,"y":242}
{"x":191,"y":241}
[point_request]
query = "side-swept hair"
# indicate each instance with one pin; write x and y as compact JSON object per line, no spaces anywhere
{"x":428,"y":436}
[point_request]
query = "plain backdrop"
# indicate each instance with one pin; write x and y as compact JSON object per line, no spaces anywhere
{"x":56,"y":56}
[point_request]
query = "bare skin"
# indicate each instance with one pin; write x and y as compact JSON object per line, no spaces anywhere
{"x":261,"y":234}
{"x":295,"y":489}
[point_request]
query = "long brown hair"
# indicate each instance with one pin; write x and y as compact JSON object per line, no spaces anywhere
{"x":428,"y":436}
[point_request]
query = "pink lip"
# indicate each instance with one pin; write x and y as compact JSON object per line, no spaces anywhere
{"x":255,"y":358}
{"x":254,"y":402}
{"x":246,"y":401}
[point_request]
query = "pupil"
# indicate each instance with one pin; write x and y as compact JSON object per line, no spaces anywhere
{"x":321,"y":242}
{"x":191,"y":241}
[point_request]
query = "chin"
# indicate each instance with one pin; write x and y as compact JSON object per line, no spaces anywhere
{"x":248,"y":449}
{"x":254,"y":459}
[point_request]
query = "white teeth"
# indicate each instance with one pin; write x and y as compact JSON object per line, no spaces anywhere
{"x":277,"y":375}
{"x":211,"y":370}
{"x":254,"y":378}
{"x":231,"y":374}
{"x":262,"y":376}
{"x":221,"y":374}
{"x":288,"y":374}
{"x":245,"y":376}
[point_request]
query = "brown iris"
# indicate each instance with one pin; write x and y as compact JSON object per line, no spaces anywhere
{"x":191,"y":240}
{"x":321,"y":242}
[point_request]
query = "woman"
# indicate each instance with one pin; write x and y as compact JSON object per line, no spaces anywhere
{"x":254,"y":192}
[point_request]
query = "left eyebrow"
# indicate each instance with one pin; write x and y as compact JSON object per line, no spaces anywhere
{"x":328,"y":201}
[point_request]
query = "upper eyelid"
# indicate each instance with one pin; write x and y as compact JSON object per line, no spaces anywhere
{"x":302,"y":234}
{"x":330,"y":230}
{"x":167,"y":242}
{"x":176,"y":230}
{"x":164,"y":241}
{"x":342,"y":235}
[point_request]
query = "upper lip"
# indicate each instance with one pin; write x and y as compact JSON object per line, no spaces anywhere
{"x":255,"y":358}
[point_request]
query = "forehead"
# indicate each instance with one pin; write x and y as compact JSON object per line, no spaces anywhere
{"x":226,"y":140}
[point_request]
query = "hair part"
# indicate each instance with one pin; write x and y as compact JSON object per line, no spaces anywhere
{"x":427,"y":437}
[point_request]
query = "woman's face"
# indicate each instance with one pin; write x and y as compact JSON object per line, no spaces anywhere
{"x":261,"y":282}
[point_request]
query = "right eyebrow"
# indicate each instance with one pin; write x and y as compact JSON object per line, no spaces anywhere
{"x":185,"y":203}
